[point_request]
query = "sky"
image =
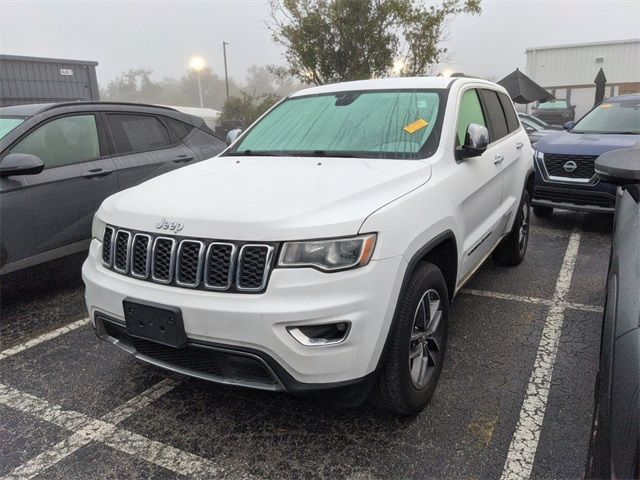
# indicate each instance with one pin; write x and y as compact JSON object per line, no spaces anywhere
{"x":164,"y":35}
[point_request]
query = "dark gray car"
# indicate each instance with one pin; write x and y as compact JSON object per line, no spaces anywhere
{"x":58,"y":162}
{"x":615,"y":440}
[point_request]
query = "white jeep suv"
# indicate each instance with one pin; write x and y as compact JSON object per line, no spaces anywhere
{"x":322,"y":249}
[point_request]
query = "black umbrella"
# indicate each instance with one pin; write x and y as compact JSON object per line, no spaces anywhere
{"x":524,"y":90}
{"x":600,"y":82}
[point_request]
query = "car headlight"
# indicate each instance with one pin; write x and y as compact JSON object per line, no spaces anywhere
{"x":538,"y":155}
{"x":329,"y":255}
{"x":98,"y":227}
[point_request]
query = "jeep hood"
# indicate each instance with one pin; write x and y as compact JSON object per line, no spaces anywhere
{"x":566,"y":143}
{"x":266,"y":198}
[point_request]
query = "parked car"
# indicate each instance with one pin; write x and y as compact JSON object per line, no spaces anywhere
{"x":555,"y":112}
{"x":534,"y":131}
{"x":322,"y":249}
{"x":615,"y":437}
{"x":565,"y":175}
{"x":540,"y":123}
{"x":58,"y":162}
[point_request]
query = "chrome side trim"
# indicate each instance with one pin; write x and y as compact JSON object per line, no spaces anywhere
{"x":114,"y":251}
{"x":172,"y":260}
{"x":147,"y":264}
{"x":267,"y":267}
{"x":201,"y":251}
{"x":232,"y":266}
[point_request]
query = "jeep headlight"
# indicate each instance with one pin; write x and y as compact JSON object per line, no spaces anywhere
{"x":98,"y":227}
{"x":329,"y":255}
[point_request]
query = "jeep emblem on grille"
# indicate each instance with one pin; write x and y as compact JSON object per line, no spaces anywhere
{"x":570,"y":166}
{"x":171,"y":225}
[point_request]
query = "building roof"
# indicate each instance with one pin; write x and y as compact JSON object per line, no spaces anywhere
{"x":21,"y":58}
{"x":589,"y":44}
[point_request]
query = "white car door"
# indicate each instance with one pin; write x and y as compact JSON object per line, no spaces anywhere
{"x":479,"y":182}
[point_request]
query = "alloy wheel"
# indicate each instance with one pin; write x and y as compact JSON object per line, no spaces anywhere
{"x":425,"y":353}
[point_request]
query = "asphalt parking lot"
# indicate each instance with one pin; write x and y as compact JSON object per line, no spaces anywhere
{"x":514,"y":400}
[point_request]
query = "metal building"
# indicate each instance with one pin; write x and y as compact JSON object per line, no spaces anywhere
{"x":568,"y":71}
{"x":43,"y":80}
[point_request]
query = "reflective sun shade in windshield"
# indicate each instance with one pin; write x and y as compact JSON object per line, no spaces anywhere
{"x":394,"y":124}
{"x":8,"y":123}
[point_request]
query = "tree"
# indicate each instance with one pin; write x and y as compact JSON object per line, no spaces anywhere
{"x":337,"y":40}
{"x":213,"y":88}
{"x":247,"y":108}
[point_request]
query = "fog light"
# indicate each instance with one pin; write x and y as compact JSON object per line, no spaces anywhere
{"x":318,"y":335}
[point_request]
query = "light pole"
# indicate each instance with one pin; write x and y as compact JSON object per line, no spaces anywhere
{"x":226,"y":77}
{"x":197,"y":64}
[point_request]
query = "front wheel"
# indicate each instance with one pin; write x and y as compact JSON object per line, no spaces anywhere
{"x":514,"y":247}
{"x":417,"y":344}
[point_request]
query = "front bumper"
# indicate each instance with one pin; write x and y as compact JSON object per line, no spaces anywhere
{"x":593,"y":196}
{"x":255,"y":325}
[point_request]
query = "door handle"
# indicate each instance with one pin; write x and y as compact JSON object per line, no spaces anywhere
{"x":183,"y":159}
{"x":498,"y":159}
{"x":519,"y":145}
{"x":96,"y":173}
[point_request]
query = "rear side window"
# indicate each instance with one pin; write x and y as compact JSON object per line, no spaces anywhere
{"x":135,"y":133}
{"x":470,"y":112}
{"x":497,"y":122}
{"x":63,"y":141}
{"x":178,"y":128}
{"x":509,"y":112}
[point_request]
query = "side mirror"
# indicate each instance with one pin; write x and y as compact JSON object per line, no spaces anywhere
{"x":529,"y":129}
{"x":620,"y":167}
{"x":20,"y":164}
{"x":232,"y":135}
{"x":568,"y":125}
{"x":476,"y":141}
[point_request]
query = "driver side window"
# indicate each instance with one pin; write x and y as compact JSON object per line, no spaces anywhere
{"x":63,"y":141}
{"x":470,"y":112}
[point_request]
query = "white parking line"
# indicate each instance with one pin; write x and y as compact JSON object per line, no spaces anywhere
{"x":525,"y":299}
{"x":86,"y":429}
{"x":522,"y":450}
{"x":43,"y":338}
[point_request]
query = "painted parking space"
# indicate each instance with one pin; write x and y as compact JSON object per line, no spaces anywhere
{"x":189,"y":428}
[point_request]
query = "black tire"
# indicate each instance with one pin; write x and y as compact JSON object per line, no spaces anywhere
{"x":513,"y":248}
{"x":396,"y":389}
{"x":542,"y":212}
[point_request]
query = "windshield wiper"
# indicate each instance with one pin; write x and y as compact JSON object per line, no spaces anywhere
{"x":254,"y":153}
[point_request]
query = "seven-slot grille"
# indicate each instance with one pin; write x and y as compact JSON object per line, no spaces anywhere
{"x":555,"y":163}
{"x":187,"y":262}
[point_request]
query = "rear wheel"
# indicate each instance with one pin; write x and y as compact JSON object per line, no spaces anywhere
{"x":542,"y":212}
{"x":417,"y":344}
{"x":514,"y":247}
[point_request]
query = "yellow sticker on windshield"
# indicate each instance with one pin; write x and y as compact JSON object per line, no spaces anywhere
{"x":415,"y":126}
{"x":606,"y":105}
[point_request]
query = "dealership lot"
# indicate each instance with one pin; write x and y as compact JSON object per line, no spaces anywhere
{"x":514,"y":399}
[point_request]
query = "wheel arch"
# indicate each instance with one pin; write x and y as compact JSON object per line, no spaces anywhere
{"x":442,"y":251}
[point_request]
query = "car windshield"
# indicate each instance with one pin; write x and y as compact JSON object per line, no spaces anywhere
{"x":9,"y":123}
{"x":553,"y":104}
{"x":536,"y":121}
{"x":371,"y":124}
{"x":530,"y":124}
{"x":611,"y":117}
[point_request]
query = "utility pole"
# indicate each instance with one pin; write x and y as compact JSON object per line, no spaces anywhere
{"x":226,"y":76}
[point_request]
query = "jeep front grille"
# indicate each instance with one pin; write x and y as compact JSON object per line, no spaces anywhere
{"x":555,"y":163}
{"x":188,"y":262}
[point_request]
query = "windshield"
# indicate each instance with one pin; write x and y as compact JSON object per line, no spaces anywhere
{"x":535,"y":121}
{"x":380,"y":124}
{"x":9,"y":123}
{"x":611,"y":117}
{"x":554,"y":104}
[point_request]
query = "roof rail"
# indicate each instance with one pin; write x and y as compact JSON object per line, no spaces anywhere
{"x":130,"y":104}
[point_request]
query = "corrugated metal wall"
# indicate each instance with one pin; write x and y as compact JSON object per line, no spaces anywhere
{"x":579,"y":65}
{"x":26,"y":80}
